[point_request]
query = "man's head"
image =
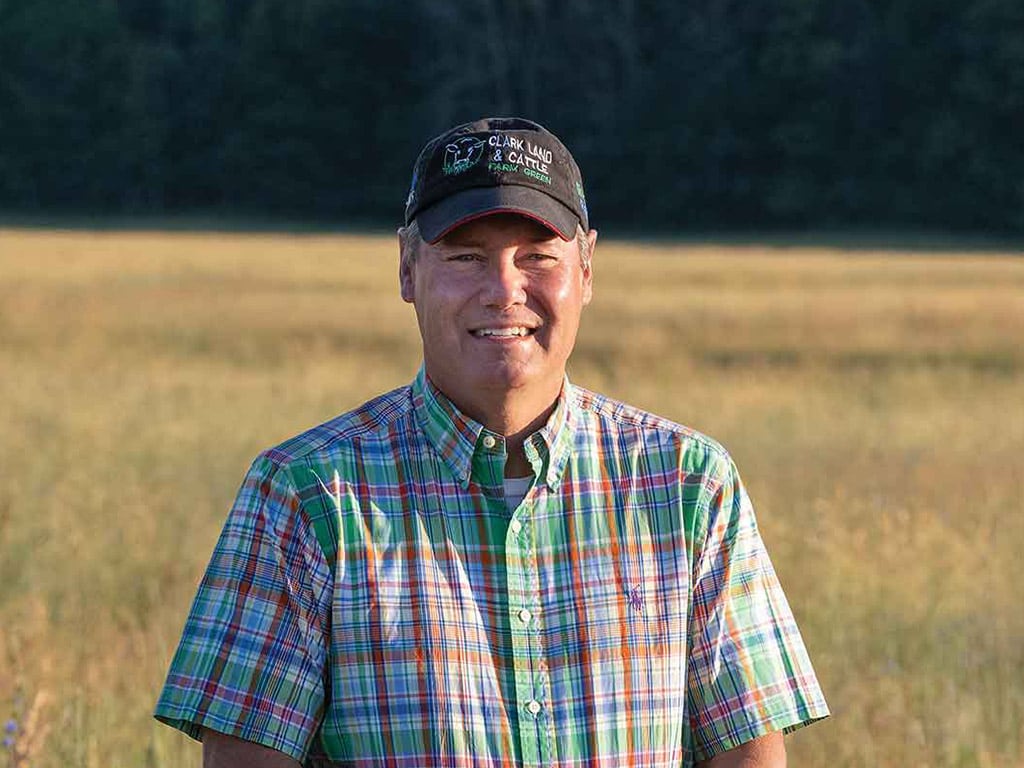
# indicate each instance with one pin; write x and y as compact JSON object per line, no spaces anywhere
{"x":496,"y":258}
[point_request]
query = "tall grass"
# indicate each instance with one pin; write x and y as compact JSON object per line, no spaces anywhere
{"x":874,"y":402}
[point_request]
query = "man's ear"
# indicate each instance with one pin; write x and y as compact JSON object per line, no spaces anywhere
{"x":406,"y":267}
{"x":588,"y":268}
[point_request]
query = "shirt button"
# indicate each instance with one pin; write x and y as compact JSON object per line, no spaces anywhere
{"x":525,"y":616}
{"x":489,"y":441}
{"x":533,"y":707}
{"x":515,"y":526}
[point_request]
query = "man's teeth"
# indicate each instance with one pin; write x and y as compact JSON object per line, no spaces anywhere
{"x":502,"y":332}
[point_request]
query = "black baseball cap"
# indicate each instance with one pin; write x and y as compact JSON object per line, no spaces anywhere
{"x":496,"y":165}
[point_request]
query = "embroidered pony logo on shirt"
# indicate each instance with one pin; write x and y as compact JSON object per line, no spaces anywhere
{"x":636,"y":599}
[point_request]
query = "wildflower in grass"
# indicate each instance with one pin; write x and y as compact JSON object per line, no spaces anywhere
{"x":8,"y":742}
{"x":11,"y":727}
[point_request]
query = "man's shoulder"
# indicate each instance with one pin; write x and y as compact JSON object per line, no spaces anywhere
{"x":372,"y":420}
{"x":604,"y":412}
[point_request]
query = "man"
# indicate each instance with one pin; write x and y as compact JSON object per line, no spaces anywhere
{"x":492,"y":566}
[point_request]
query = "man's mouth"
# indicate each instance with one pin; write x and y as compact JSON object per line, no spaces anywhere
{"x":521,"y":330}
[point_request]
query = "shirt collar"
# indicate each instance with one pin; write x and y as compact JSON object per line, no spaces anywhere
{"x":457,"y":438}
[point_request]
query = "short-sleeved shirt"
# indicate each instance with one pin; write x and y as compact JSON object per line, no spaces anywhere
{"x":373,"y":601}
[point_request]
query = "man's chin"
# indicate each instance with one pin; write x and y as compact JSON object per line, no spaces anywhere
{"x":494,"y":378}
{"x":504,"y":378}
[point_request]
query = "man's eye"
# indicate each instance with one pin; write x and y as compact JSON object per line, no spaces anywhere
{"x":541,"y":257}
{"x":463,"y":257}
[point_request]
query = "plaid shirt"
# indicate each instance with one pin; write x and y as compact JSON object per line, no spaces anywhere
{"x":372,"y":601}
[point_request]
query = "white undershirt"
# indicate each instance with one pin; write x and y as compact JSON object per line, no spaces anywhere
{"x":515,"y":491}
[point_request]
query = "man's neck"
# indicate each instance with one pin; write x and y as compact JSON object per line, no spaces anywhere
{"x":514,"y":421}
{"x":516,"y":464}
{"x":514,"y":414}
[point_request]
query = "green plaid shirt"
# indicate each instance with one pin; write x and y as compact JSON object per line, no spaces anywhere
{"x":372,"y":601}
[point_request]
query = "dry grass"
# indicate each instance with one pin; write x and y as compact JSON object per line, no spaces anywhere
{"x":874,"y":401}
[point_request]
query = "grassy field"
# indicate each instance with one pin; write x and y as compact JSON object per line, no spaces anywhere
{"x":874,"y":401}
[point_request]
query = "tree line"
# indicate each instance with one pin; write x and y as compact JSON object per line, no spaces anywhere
{"x":683,"y":115}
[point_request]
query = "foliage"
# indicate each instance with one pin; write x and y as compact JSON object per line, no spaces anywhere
{"x":700,"y":114}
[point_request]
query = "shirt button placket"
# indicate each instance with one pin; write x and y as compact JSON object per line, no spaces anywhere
{"x":532,"y":685}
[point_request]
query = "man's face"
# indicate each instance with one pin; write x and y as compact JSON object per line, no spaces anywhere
{"x":498,"y":301}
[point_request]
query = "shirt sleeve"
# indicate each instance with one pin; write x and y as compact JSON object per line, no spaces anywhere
{"x":749,"y":671}
{"x":252,"y":657}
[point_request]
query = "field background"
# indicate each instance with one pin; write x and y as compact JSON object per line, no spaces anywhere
{"x":873,"y":399}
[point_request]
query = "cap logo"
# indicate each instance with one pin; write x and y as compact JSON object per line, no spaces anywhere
{"x":511,"y":154}
{"x":462,"y":154}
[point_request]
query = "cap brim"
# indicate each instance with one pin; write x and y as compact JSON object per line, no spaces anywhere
{"x":465,"y":206}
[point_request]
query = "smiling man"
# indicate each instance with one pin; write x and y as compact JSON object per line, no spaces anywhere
{"x":492,"y":566}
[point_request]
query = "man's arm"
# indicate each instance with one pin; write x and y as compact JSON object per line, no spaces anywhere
{"x":253,"y":655}
{"x":223,"y":751}
{"x":765,"y":752}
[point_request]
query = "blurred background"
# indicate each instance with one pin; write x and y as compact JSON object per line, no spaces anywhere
{"x":811,"y":221}
{"x":696,"y":115}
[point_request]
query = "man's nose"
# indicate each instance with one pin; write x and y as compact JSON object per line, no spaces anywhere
{"x":505,"y":284}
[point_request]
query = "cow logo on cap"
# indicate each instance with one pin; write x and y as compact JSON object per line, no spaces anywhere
{"x":462,"y":154}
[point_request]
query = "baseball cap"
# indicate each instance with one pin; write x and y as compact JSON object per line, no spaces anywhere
{"x":496,"y":165}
